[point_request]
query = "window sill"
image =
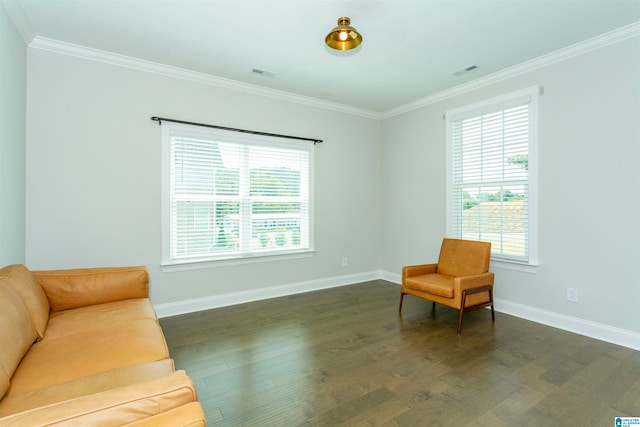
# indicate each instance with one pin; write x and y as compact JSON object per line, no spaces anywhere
{"x":513,"y":265}
{"x":251,"y":259}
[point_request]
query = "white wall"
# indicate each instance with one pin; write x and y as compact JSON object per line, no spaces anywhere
{"x":93,"y":181}
{"x":589,"y":180}
{"x":13,"y":66}
{"x":94,"y":187}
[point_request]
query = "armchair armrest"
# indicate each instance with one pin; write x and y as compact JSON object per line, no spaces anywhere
{"x":418,"y":270}
{"x":74,"y":288}
{"x":470,"y":282}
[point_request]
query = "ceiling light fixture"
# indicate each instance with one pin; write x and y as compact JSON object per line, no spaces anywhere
{"x":343,"y":37}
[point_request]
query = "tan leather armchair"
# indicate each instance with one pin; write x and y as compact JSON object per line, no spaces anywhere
{"x":461,"y":279}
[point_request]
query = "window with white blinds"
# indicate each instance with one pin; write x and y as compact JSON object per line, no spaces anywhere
{"x":229,"y":195}
{"x":491,"y":171}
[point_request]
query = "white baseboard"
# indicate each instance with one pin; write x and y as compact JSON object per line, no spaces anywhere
{"x":216,"y":301}
{"x":391,"y":277}
{"x":587,"y":328}
{"x":576,"y":325}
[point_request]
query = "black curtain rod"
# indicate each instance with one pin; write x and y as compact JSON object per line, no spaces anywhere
{"x":254,"y":132}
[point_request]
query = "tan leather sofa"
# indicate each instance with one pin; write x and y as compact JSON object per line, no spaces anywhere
{"x":84,"y":347}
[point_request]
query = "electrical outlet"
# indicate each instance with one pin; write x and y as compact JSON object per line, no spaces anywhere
{"x":572,"y":295}
{"x":345,"y":261}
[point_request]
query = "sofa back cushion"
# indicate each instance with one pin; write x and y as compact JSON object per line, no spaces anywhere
{"x":17,"y":333}
{"x":73,"y":288}
{"x":32,"y":294}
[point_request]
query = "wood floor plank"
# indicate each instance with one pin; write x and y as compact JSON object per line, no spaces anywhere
{"x":344,"y":357}
{"x":350,"y":408}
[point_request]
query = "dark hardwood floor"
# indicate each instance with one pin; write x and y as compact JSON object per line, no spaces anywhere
{"x":343,"y":356}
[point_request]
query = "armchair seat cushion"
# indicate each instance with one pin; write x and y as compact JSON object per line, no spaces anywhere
{"x":435,"y":284}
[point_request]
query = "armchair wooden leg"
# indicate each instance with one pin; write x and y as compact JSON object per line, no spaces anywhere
{"x":462,"y":306}
{"x":464,"y":309}
{"x":493,"y":315}
{"x":401,"y":298}
{"x":461,"y":315}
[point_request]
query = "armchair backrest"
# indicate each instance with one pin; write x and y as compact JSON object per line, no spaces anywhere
{"x":464,"y":257}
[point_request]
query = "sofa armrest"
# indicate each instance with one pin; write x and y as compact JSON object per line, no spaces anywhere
{"x":418,"y":270}
{"x":116,"y":407}
{"x":74,"y":288}
{"x":189,"y":415}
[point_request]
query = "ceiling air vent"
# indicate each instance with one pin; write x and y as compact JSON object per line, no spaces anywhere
{"x":263,"y":73}
{"x":464,"y":70}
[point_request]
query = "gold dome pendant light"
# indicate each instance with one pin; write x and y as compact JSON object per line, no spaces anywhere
{"x":343,"y":37}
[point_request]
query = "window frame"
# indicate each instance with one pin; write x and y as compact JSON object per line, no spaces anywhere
{"x":476,"y":109}
{"x":168,"y":263}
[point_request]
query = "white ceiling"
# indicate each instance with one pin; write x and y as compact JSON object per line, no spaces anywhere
{"x":409,"y":52}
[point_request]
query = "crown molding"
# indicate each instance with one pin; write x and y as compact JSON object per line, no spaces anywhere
{"x":19,"y":19}
{"x":57,"y":46}
{"x":603,"y":40}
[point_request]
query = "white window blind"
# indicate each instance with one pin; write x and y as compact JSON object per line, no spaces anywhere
{"x":230,"y":195}
{"x":490,"y":196}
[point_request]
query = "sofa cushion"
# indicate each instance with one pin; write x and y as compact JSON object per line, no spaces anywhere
{"x":84,"y":386}
{"x":17,"y":333}
{"x":99,"y":316}
{"x":4,"y":382}
{"x":189,"y":415}
{"x":32,"y":294}
{"x":54,"y":361}
{"x":114,"y":407}
{"x":81,"y":287}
